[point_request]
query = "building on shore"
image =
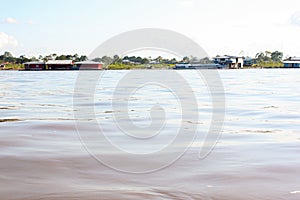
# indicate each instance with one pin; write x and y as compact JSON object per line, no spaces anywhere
{"x":128,"y":62}
{"x":34,"y":66}
{"x":60,"y":64}
{"x":154,"y":62}
{"x":292,"y":62}
{"x":231,"y":62}
{"x":88,"y":65}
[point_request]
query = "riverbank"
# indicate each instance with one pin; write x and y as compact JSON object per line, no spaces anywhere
{"x":19,"y":67}
{"x":268,"y":65}
{"x":13,"y":67}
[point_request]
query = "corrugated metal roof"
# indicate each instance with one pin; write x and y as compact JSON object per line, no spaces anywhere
{"x":59,"y":62}
{"x":294,"y":59}
{"x":227,"y":57}
{"x":291,"y":61}
{"x":34,"y":63}
{"x":88,"y":63}
{"x":222,"y":57}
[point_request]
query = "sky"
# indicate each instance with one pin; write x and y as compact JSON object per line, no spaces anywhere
{"x":234,"y":27}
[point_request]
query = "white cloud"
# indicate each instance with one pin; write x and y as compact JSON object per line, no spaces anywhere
{"x":30,"y":22}
{"x":7,"y":41}
{"x":223,"y":27}
{"x":10,"y":20}
{"x":295,"y":19}
{"x":186,"y":3}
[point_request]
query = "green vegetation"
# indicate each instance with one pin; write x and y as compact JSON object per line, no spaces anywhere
{"x":121,"y":66}
{"x":133,"y":62}
{"x":7,"y":57}
{"x":268,"y":59}
{"x":268,"y":65}
{"x":13,"y":67}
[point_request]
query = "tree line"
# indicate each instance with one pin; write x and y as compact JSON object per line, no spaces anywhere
{"x":260,"y":58}
{"x":269,"y":56}
{"x":7,"y":57}
{"x":116,"y":59}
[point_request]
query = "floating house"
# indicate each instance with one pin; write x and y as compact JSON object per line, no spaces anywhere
{"x":35,"y":66}
{"x":292,"y":62}
{"x":89,"y":65}
{"x":60,"y":64}
{"x":231,"y":62}
{"x":63,"y":65}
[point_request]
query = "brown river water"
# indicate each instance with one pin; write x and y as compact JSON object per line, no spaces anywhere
{"x":42,"y":156}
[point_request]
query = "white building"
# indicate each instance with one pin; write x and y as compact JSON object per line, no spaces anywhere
{"x":232,"y":62}
{"x":292,"y":62}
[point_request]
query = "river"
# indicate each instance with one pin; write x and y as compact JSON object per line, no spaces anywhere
{"x":42,"y":156}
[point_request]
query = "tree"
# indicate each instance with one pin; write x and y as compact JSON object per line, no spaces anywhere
{"x":61,"y":57}
{"x":260,"y":57}
{"x":33,"y":59}
{"x":69,"y":57}
{"x":75,"y":57}
{"x":22,"y":59}
{"x":268,"y":54}
{"x":138,"y":59}
{"x":159,"y":59}
{"x":83,"y":58}
{"x":7,"y":54}
{"x":97,"y":60}
{"x":126,"y":58}
{"x":107,"y":60}
{"x":8,"y":57}
{"x":277,"y":56}
{"x":116,"y":59}
{"x":145,"y":61}
{"x":173,"y":61}
{"x":186,"y":59}
{"x":47,"y":58}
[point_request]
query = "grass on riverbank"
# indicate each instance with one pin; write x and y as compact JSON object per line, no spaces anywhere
{"x":268,"y":65}
{"x":110,"y":67}
{"x":13,"y":67}
{"x":142,"y":66}
{"x":147,"y":66}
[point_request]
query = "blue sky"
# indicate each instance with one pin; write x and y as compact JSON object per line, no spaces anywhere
{"x":246,"y":27}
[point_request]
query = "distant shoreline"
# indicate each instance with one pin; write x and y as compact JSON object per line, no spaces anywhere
{"x":137,"y":68}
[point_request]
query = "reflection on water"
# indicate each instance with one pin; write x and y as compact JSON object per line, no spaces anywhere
{"x":256,"y":158}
